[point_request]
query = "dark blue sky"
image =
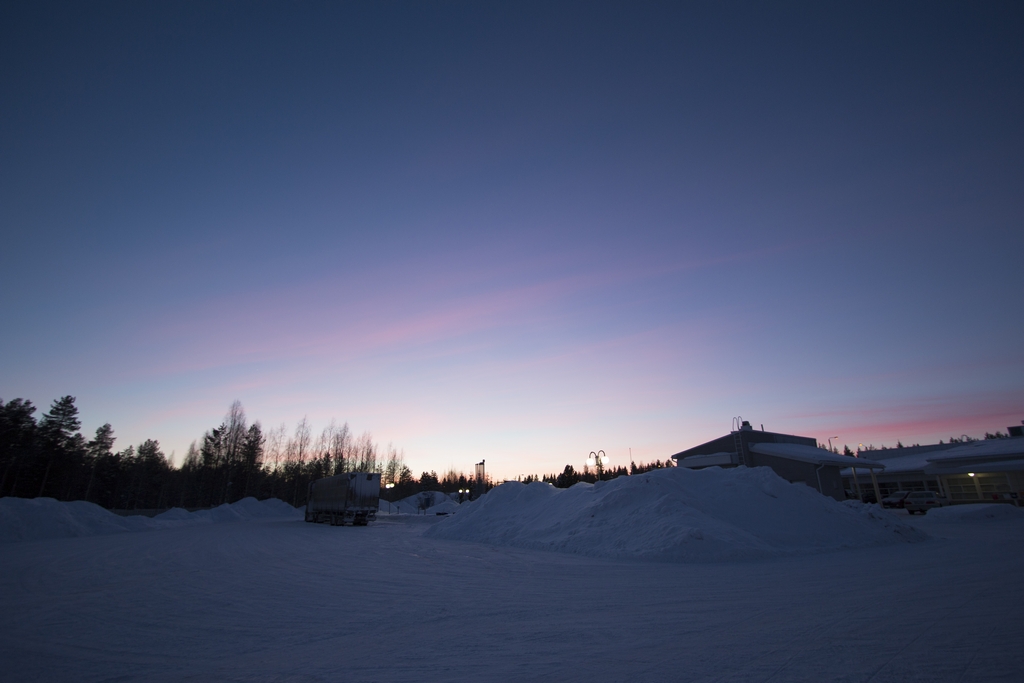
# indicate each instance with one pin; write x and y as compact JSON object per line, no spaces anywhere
{"x":522,"y":230}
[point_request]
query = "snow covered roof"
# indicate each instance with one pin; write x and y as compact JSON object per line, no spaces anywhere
{"x":989,"y":449}
{"x":709,"y":460}
{"x":914,"y":462}
{"x":816,"y":456}
{"x":991,"y":455}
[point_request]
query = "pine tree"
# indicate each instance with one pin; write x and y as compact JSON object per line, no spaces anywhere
{"x":60,"y":438}
{"x":99,"y":450}
{"x":17,"y":441}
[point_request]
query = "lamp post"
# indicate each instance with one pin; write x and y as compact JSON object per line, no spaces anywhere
{"x":389,"y":487}
{"x":598,"y":460}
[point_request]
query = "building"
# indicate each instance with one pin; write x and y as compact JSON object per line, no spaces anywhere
{"x":985,"y":471}
{"x":794,"y":458}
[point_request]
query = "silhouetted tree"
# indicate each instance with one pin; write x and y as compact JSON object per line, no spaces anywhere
{"x":252,"y":455}
{"x":230,"y":461}
{"x":17,"y":442}
{"x":98,"y":451}
{"x":63,"y":445}
{"x":567,"y":478}
{"x":429,"y":482}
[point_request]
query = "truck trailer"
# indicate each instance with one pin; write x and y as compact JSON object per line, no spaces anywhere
{"x":349,"y":498}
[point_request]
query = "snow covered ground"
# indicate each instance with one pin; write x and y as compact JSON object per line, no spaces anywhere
{"x":281,"y":600}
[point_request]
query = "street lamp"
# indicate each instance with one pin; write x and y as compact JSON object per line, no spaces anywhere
{"x":598,"y":460}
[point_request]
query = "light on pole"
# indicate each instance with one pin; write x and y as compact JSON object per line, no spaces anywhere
{"x":598,"y":460}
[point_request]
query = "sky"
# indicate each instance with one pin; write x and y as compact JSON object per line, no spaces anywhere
{"x":516,"y":232}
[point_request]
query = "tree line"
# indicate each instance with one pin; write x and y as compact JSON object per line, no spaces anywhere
{"x":49,"y":457}
{"x":569,"y":476}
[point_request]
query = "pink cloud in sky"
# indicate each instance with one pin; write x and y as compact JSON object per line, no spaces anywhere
{"x":920,"y":420}
{"x":339,"y":318}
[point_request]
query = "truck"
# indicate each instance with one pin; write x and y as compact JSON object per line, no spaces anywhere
{"x":348,"y":498}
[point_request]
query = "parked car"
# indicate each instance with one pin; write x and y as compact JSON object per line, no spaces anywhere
{"x":895,"y":500}
{"x":922,"y":501}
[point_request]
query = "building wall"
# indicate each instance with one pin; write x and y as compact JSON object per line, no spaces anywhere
{"x":832,"y":482}
{"x":804,"y":473}
{"x":984,"y":487}
{"x":958,"y":488}
{"x":891,"y":483}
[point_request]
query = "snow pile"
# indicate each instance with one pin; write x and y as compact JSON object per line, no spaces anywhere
{"x":279,"y":507}
{"x":446,"y":507}
{"x":247,"y":508}
{"x":675,"y":514}
{"x":976,"y":511}
{"x":411,"y":505}
{"x":23,"y":519}
{"x":175,"y":515}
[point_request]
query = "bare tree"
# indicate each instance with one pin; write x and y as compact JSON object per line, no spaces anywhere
{"x":233,"y":440}
{"x":299,"y":444}
{"x":323,"y":448}
{"x":341,"y":447}
{"x":365,"y":455}
{"x":273,"y":450}
{"x":235,"y":431}
{"x":393,"y":467}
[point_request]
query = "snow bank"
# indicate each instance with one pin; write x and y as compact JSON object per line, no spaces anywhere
{"x":23,"y":519}
{"x":446,"y":507}
{"x":411,"y":504}
{"x":976,"y":511}
{"x":676,"y":515}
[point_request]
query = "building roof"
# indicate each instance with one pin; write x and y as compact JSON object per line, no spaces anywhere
{"x":816,"y":456}
{"x":990,"y":455}
{"x":709,"y":460}
{"x":987,"y":450}
{"x":915,"y":462}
